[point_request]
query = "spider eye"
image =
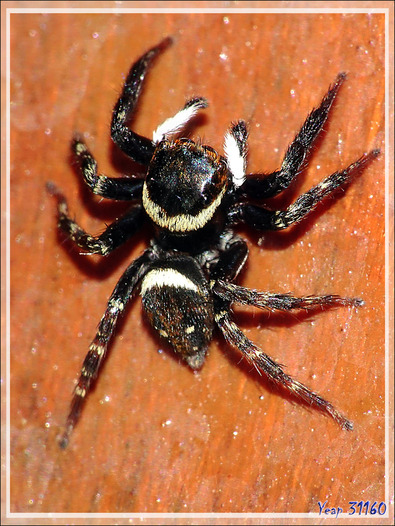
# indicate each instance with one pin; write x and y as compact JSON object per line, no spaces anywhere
{"x":184,"y":185}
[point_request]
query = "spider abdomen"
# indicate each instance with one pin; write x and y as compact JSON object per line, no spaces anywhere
{"x":178,"y":303}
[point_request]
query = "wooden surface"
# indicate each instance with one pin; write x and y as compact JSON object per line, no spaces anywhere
{"x":154,"y":436}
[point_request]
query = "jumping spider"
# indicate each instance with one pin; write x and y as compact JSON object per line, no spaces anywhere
{"x":193,"y":198}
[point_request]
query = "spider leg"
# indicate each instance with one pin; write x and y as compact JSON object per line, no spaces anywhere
{"x":98,"y":348}
{"x":259,"y":187}
{"x":119,"y":188}
{"x":271,"y":369}
{"x":139,"y":148}
{"x":263,"y":219}
{"x":226,"y":269}
{"x":230,"y":262}
{"x":115,"y":234}
{"x":283,"y":302}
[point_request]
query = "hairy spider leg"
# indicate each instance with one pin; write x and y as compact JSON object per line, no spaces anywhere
{"x":115,"y":234}
{"x":271,"y":369}
{"x":260,"y":186}
{"x":285,"y":302}
{"x":232,"y":259}
{"x":226,"y":293}
{"x":139,"y":148}
{"x":263,"y":219}
{"x":118,"y":188}
{"x":98,"y":348}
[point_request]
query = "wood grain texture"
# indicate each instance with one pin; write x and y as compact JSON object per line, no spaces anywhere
{"x":154,"y":436}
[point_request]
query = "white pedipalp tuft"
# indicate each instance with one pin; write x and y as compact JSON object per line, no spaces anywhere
{"x":235,"y":148}
{"x":174,"y":124}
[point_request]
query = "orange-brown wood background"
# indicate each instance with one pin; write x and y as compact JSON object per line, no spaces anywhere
{"x":154,"y":436}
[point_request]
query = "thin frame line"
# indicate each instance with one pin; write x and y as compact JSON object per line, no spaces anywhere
{"x":10,"y":11}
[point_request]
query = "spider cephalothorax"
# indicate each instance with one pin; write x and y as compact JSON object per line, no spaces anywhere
{"x":194,"y":198}
{"x":200,"y":177}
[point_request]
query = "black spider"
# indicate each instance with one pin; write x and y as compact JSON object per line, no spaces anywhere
{"x":193,"y":197}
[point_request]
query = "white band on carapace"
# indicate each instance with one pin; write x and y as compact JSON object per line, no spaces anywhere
{"x":180,"y":222}
{"x":236,"y":158}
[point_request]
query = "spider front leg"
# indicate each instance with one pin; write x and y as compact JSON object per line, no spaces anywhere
{"x":115,"y":234}
{"x":135,"y":146}
{"x":263,"y":219}
{"x":98,"y":348}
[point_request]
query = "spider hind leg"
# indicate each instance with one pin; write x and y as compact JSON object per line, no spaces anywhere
{"x":226,"y":293}
{"x":283,"y":302}
{"x":273,"y":371}
{"x":97,"y":351}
